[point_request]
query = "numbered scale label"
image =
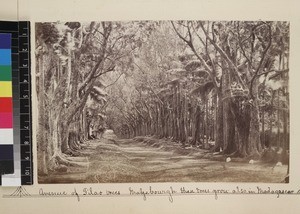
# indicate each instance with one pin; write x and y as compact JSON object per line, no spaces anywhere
{"x":25,"y":103}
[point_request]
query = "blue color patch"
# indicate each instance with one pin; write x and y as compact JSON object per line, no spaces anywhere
{"x":5,"y":56}
{"x":5,"y":41}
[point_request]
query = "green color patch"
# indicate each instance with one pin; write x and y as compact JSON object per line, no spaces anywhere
{"x":5,"y":73}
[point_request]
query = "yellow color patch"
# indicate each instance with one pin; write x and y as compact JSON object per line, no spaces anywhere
{"x":5,"y":89}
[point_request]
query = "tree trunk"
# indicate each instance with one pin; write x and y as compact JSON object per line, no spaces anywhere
{"x":197,"y":126}
{"x":42,"y":146}
{"x":206,"y":146}
{"x":254,"y":148}
{"x":229,"y":144}
{"x":63,"y":129}
{"x":219,"y":123}
{"x":242,"y":117}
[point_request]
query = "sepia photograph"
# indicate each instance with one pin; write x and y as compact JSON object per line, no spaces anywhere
{"x":162,"y":101}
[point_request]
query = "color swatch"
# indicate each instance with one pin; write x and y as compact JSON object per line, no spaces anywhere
{"x":6,"y":107}
{"x":15,"y":75}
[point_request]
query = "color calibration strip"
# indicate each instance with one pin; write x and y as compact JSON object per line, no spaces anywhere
{"x":6,"y":108}
{"x":21,"y":103}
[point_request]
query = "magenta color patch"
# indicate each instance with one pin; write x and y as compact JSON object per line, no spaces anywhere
{"x":6,"y":120}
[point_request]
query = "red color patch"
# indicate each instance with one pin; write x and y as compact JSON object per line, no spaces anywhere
{"x":6,"y":104}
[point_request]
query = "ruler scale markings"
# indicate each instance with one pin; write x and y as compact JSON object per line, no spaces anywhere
{"x":26,"y":166}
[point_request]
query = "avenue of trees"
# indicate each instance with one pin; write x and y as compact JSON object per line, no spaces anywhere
{"x":222,"y":86}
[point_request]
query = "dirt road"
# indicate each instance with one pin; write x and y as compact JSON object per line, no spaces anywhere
{"x":145,"y":159}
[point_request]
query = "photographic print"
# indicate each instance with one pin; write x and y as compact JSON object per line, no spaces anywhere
{"x":162,"y":101}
